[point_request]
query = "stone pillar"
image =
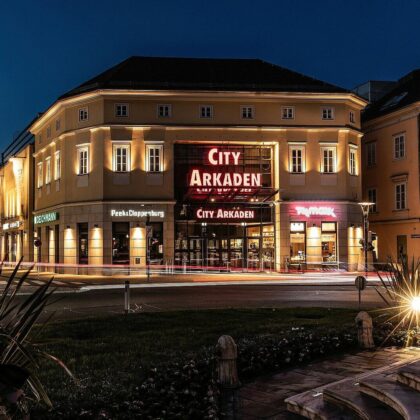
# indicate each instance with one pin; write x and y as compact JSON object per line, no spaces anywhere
{"x":227,"y":374}
{"x":364,"y":330}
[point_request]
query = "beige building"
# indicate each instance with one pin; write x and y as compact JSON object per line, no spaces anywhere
{"x":391,"y":169}
{"x":16,"y":200}
{"x":232,"y":163}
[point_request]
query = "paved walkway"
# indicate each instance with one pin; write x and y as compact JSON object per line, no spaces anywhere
{"x":264,"y":398}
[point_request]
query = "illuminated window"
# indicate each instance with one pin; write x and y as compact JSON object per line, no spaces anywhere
{"x":400,"y":196}
{"x":287,"y":112}
{"x":121,"y":158}
{"x":328,"y":113}
{"x":57,"y":125}
{"x":399,"y":146}
{"x":329,"y":242}
{"x":48,"y":170}
{"x":372,"y":199}
{"x":297,"y":159}
{"x":206,"y":111}
{"x":83,"y":114}
{"x":83,"y":159}
{"x":352,"y":161}
{"x":164,"y":111}
{"x":328,"y":160}
{"x":154,"y":158}
{"x":57,"y":165}
{"x":121,"y":110}
{"x":371,"y":154}
{"x":247,"y":112}
{"x":40,"y":180}
{"x":352,"y":117}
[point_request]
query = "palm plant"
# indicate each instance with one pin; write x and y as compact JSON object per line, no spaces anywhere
{"x":401,"y":292}
{"x":19,"y":357}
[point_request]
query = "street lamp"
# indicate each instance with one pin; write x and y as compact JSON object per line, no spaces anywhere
{"x":365,"y":206}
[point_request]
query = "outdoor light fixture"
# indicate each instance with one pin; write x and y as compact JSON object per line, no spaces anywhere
{"x":137,"y":225}
{"x":67,"y":227}
{"x":352,"y":225}
{"x":95,"y":226}
{"x":415,"y":304}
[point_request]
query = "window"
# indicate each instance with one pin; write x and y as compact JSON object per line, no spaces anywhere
{"x":328,"y":157}
{"x":40,"y":138}
{"x":371,"y":154}
{"x":372,"y":199}
{"x":399,"y":146}
{"x":57,"y":166}
{"x":297,"y":159}
{"x":206,"y":111}
{"x":57,"y":125}
{"x":327,"y":113}
{"x":83,"y":114}
{"x":287,"y":112}
{"x":247,"y":112}
{"x":48,"y":170}
{"x":40,"y":180}
{"x":164,"y":111}
{"x":154,"y":158}
{"x":352,"y":117}
{"x":121,"y":110}
{"x":400,"y":196}
{"x":352,"y":161}
{"x":83,"y":158}
{"x":121,"y":158}
{"x":329,"y":242}
{"x":48,"y":132}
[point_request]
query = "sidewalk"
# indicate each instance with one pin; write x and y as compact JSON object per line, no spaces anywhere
{"x":264,"y":398}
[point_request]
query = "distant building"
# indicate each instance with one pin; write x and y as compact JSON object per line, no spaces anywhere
{"x":373,"y":90}
{"x":17,"y":199}
{"x":391,"y":143}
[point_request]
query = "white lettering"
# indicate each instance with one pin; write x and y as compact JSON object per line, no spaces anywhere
{"x":212,"y":160}
{"x":195,"y":178}
{"x":315,"y":211}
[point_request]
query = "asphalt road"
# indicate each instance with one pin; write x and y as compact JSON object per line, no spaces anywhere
{"x":74,"y":304}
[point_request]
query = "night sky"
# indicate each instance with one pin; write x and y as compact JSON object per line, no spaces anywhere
{"x":48,"y":47}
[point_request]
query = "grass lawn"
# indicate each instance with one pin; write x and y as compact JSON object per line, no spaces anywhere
{"x":109,"y":354}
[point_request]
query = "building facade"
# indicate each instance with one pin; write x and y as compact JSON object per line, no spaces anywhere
{"x":16,"y":200}
{"x":217,"y":163}
{"x":391,"y":169}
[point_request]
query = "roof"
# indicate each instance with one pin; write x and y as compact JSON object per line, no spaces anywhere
{"x":406,"y":92}
{"x":208,"y":74}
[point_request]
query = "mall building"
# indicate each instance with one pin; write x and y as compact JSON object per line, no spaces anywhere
{"x":222,"y":163}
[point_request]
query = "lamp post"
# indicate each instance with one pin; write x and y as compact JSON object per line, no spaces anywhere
{"x":204,"y":244}
{"x":148,"y":235}
{"x":365,"y":206}
{"x":244,"y":253}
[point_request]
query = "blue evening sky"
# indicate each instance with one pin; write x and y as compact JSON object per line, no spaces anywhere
{"x":49,"y":46}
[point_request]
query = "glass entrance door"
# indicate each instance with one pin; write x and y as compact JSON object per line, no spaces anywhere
{"x":121,"y":243}
{"x":83,"y":234}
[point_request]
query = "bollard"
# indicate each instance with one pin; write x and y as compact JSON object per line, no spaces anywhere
{"x":364,"y":330}
{"x":127,"y":297}
{"x":227,"y":373}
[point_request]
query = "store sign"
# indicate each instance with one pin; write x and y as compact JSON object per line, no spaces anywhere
{"x":315,"y":211}
{"x":11,"y":225}
{"x":137,"y":213}
{"x":225,"y":214}
{"x":46,"y":217}
{"x":201,"y":178}
{"x":297,"y":227}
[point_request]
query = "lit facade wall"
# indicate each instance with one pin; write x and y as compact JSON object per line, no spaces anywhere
{"x":396,"y":230}
{"x":16,"y":203}
{"x":86,"y":185}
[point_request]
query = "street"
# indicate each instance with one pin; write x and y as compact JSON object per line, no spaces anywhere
{"x":149,"y":298}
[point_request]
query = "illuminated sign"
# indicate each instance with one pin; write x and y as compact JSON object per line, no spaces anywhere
{"x":315,"y":211}
{"x":224,"y":214}
{"x":297,"y":227}
{"x":224,"y":179}
{"x":46,"y":217}
{"x":11,"y":225}
{"x":137,"y":213}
